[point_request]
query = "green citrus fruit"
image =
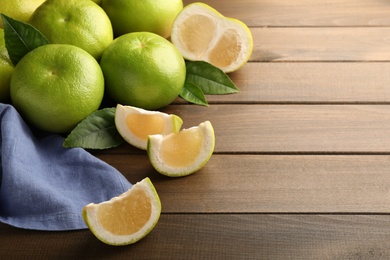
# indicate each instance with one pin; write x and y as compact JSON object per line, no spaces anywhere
{"x":82,"y":23}
{"x":146,"y":15}
{"x":6,"y":69}
{"x":55,"y":86}
{"x":19,"y":9}
{"x":143,"y":69}
{"x":97,"y":1}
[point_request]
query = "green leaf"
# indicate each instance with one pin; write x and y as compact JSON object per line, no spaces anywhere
{"x":97,"y":131}
{"x":210,"y":79}
{"x":193,"y":94}
{"x":20,"y":38}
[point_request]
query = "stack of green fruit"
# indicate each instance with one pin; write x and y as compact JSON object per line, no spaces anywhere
{"x":65,"y":55}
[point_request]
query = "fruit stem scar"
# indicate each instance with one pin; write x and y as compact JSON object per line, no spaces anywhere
{"x":66,"y":19}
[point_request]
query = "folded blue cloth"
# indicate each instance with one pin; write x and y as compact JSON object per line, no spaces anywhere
{"x":44,"y":186}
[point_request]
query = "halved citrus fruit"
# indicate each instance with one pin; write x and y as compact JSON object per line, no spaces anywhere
{"x":136,"y":124}
{"x":127,"y":218}
{"x":183,"y":153}
{"x":202,"y":33}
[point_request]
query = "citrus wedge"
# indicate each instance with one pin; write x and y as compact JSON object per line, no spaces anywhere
{"x":183,"y":153}
{"x":127,"y":218}
{"x":136,"y":124}
{"x":202,"y":33}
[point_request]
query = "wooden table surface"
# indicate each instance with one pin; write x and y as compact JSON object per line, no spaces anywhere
{"x":301,"y":168}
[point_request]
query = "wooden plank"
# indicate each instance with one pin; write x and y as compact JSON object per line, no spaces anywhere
{"x":217,"y":236}
{"x":270,"y":183}
{"x":321,"y":44}
{"x":308,"y":82}
{"x":288,"y":128}
{"x":271,"y":13}
{"x":293,"y":128}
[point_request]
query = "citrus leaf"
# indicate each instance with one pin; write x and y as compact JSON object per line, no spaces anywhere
{"x":20,"y":38}
{"x":193,"y":94}
{"x":97,"y":131}
{"x":210,"y":79}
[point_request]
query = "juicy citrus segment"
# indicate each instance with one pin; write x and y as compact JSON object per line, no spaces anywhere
{"x":182,"y":153}
{"x":127,"y":218}
{"x":127,"y":224}
{"x":136,"y":124}
{"x":202,"y":33}
{"x":143,"y":125}
{"x":197,"y":41}
{"x":186,"y":145}
{"x":228,"y":41}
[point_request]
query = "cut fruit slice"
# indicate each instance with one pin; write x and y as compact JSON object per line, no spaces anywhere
{"x":201,"y":33}
{"x":182,"y":153}
{"x":127,"y":218}
{"x":136,"y":124}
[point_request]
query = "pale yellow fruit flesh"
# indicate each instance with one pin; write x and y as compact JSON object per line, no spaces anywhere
{"x":128,"y":215}
{"x":230,"y":40}
{"x":185,"y":145}
{"x":201,"y":33}
{"x":196,"y":33}
{"x":142,"y":125}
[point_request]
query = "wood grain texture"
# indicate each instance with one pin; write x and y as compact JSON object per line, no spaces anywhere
{"x":321,"y":44}
{"x":217,"y":236}
{"x":270,"y":183}
{"x":301,"y":163}
{"x":306,"y":13}
{"x":308,"y":83}
{"x":293,"y":128}
{"x":329,"y":129}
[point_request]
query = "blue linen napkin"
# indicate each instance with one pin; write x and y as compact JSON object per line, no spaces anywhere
{"x":44,"y":186}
